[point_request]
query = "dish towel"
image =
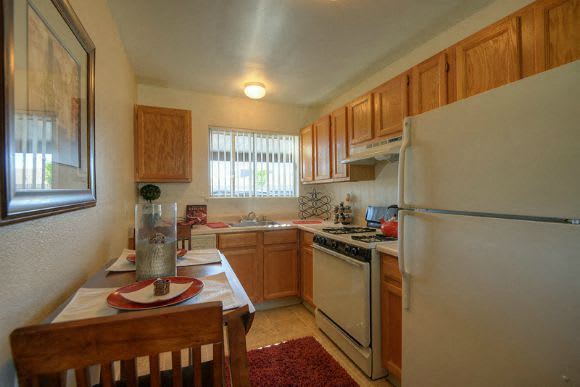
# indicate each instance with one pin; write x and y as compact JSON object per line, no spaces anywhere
{"x":191,"y":258}
{"x":217,"y":225}
{"x":92,"y":302}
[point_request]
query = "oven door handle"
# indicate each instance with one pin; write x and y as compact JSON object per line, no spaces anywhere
{"x":344,"y":258}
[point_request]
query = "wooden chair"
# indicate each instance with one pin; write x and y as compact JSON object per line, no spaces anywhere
{"x":51,"y":349}
{"x":184,"y":237}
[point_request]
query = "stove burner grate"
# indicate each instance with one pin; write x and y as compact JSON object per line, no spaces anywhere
{"x":373,"y":238}
{"x":348,"y":230}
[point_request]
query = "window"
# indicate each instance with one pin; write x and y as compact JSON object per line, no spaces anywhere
{"x":252,"y":164}
{"x":33,"y":145}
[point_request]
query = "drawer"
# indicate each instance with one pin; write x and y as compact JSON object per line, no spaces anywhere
{"x":241,"y":239}
{"x":307,"y":238}
{"x":282,"y":236}
{"x":390,"y":267}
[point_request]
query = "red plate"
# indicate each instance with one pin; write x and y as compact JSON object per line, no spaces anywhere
{"x":180,"y":253}
{"x":117,"y":301}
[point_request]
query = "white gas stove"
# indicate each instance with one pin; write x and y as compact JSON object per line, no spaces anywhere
{"x":347,"y":290}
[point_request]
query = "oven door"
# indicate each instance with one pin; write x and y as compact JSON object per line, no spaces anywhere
{"x":342,"y":292}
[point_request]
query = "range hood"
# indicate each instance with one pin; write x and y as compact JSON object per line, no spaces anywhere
{"x":369,"y":154}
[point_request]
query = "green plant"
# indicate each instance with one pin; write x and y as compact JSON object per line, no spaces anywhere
{"x":150,"y":192}
{"x":261,"y":178}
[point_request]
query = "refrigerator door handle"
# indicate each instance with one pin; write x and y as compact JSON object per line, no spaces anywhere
{"x":404,"y":146}
{"x":406,"y":278}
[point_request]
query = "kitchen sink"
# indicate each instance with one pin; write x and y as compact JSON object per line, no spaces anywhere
{"x":252,"y":223}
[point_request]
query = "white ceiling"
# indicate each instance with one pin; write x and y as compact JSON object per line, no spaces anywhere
{"x":305,"y":51}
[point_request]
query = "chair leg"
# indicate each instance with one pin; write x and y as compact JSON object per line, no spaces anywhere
{"x":238,"y":352}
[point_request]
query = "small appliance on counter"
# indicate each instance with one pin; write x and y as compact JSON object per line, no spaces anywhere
{"x":343,"y":212}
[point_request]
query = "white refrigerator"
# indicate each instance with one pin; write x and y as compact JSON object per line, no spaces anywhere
{"x":489,"y":231}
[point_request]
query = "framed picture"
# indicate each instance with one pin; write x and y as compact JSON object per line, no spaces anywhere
{"x":196,"y":213}
{"x":47,"y":136}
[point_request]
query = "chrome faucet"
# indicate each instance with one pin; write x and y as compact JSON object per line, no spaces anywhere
{"x":250,"y":217}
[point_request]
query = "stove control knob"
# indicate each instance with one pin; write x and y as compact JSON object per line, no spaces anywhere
{"x":354,"y":250}
{"x":334,"y":244}
{"x":347,"y":249}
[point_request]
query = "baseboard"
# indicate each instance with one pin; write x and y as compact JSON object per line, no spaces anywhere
{"x":280,"y":303}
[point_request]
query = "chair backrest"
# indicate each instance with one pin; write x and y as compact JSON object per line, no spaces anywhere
{"x":51,"y":349}
{"x":184,"y":237}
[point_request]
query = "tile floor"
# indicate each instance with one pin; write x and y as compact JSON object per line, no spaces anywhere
{"x":291,"y":322}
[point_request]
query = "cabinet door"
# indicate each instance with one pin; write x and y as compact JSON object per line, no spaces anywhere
{"x":360,"y":115}
{"x":339,"y":130}
{"x":429,"y":83}
{"x":322,"y":151}
{"x":557,"y":32}
{"x":245,"y":262}
{"x":391,"y":316}
{"x":280,"y":271}
{"x":306,"y":275}
{"x":162,"y":144}
{"x":391,"y":105}
{"x":306,"y":154}
{"x":489,"y":58}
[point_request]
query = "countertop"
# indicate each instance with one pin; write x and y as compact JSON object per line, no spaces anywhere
{"x":383,"y":247}
{"x":388,"y":248}
{"x":282,"y":225}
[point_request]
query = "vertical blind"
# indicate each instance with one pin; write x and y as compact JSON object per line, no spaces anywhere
{"x":33,"y":143}
{"x":252,"y":164}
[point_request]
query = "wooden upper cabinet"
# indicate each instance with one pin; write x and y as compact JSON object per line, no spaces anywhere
{"x":339,"y":130}
{"x":429,"y":84}
{"x":306,"y":154}
{"x":557,"y":32}
{"x":489,"y":58}
{"x":360,"y":115}
{"x":162,"y":144}
{"x":391,"y":105}
{"x":322,"y":149}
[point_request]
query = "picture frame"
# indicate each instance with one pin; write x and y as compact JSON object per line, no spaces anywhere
{"x":47,"y":137}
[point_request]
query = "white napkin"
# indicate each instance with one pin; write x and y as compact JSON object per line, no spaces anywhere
{"x":92,"y":302}
{"x":87,"y":303}
{"x":199,"y":257}
{"x":147,"y":295}
{"x":216,"y":288}
{"x":191,"y":258}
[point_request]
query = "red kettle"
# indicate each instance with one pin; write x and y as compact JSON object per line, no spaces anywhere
{"x":390,"y":228}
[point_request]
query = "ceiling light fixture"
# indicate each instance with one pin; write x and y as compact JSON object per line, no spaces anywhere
{"x":255,"y":90}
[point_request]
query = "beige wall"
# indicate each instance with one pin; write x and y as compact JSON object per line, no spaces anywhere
{"x":383,"y":191}
{"x":45,"y":260}
{"x":208,"y":110}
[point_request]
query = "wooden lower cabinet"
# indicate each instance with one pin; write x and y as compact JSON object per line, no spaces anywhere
{"x":280,"y":271}
{"x":266,"y":262}
{"x":391,"y":315}
{"x":246,"y":263}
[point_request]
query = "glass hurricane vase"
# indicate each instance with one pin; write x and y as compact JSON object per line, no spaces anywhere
{"x":155,"y":240}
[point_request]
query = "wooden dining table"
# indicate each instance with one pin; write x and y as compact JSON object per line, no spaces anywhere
{"x":238,"y":321}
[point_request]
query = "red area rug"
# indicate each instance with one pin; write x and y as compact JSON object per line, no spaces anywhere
{"x":300,"y":362}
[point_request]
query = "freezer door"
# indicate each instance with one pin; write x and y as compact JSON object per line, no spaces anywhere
{"x":492,"y":302}
{"x":512,"y":150}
